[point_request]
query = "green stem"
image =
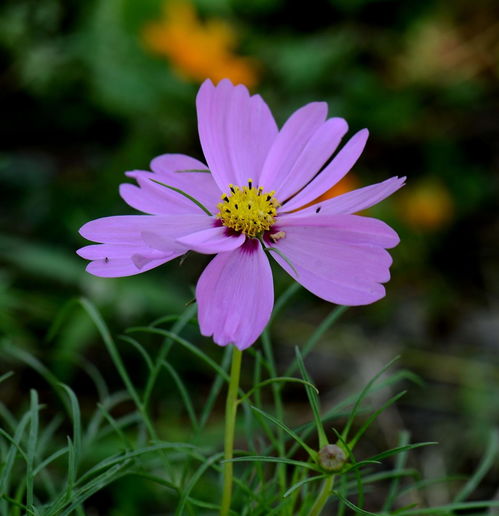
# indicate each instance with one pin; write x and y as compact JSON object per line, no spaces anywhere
{"x":325,"y":493}
{"x":230,"y":425}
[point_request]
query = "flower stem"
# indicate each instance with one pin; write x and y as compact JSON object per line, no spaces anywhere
{"x":230,"y":424}
{"x":319,"y":504}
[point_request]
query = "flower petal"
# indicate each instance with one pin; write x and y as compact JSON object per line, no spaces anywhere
{"x":125,"y":251}
{"x":351,"y":229}
{"x":128,"y":229}
{"x":336,"y":170}
{"x":342,"y":261}
{"x":317,"y":151}
{"x":150,"y":197}
{"x":174,"y":170}
{"x":212,"y":240}
{"x":251,"y":130}
{"x":235,"y":295}
{"x":290,"y":143}
{"x":116,"y":260}
{"x":236,"y":132}
{"x":356,"y":200}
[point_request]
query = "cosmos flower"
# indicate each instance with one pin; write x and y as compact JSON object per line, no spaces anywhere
{"x":241,"y":207}
{"x":197,"y":49}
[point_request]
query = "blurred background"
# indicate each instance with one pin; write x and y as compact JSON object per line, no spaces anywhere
{"x":90,"y":89}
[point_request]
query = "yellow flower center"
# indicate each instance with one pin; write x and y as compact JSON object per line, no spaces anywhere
{"x":248,"y":209}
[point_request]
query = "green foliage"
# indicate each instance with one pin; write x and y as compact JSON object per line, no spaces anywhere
{"x":277,"y":466}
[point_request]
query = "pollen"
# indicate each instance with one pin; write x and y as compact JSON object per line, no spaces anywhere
{"x":277,"y":236}
{"x":248,"y":209}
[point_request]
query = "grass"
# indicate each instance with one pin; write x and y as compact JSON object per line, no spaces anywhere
{"x":68,"y":460}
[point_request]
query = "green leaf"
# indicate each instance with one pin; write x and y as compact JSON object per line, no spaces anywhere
{"x":333,"y":316}
{"x":399,"y":465}
{"x":186,"y":490}
{"x":487,"y":462}
{"x":216,"y":387}
{"x":96,"y":485}
{"x":278,"y":460}
{"x":51,"y":458}
{"x":313,"y":400}
{"x":111,"y":347}
{"x":75,"y":414}
{"x":136,"y":344}
{"x":183,"y":393}
{"x":278,"y":379}
{"x":10,"y":456}
{"x":373,"y":418}
{"x":31,"y":446}
{"x":312,"y":453}
{"x":6,"y":375}
{"x":283,"y":299}
{"x":362,"y":395}
{"x":399,"y":449}
{"x":181,"y":322}
{"x":352,"y":506}
{"x":186,"y":344}
{"x":189,"y":449}
{"x":307,"y":480}
{"x":449,"y":508}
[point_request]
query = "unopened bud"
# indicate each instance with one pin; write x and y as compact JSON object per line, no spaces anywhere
{"x":332,"y":457}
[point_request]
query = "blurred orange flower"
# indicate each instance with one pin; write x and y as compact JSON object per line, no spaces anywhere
{"x":198,"y":50}
{"x":426,"y":206}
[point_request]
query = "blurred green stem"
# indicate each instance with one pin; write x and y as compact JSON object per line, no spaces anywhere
{"x":230,"y":425}
{"x":319,"y":504}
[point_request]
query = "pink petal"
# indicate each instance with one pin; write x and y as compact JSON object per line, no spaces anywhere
{"x":351,"y":229}
{"x":356,"y":200}
{"x":116,"y":260}
{"x":101,"y":251}
{"x":341,"y":259}
{"x":174,"y":170}
{"x":290,"y":143}
{"x":336,"y":170}
{"x":251,"y":129}
{"x":212,"y":240}
{"x":235,"y":296}
{"x":120,"y":267}
{"x":318,"y":150}
{"x":236,"y":132}
{"x":152,"y":198}
{"x":128,"y":229}
{"x":125,"y":251}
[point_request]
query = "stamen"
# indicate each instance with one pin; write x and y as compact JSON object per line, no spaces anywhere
{"x":277,"y":236}
{"x":255,"y":213}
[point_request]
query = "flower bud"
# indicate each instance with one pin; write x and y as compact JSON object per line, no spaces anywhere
{"x":332,"y":457}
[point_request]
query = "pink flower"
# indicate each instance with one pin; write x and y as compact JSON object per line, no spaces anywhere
{"x":257,"y":177}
